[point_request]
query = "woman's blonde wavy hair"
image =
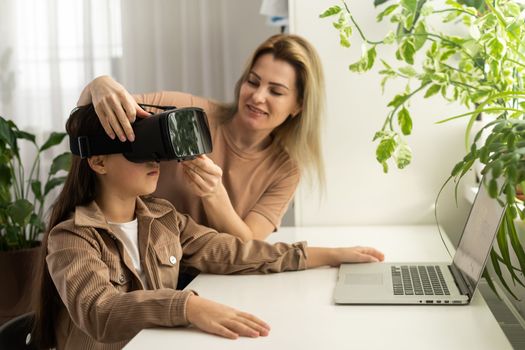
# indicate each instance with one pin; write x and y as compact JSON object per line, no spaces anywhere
{"x":299,"y":136}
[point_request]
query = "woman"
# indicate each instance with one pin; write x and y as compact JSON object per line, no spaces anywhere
{"x":262,"y":142}
{"x":112,"y":254}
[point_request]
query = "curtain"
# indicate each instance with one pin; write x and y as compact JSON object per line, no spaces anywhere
{"x":51,"y":49}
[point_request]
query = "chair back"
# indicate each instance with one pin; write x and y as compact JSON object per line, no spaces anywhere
{"x":16,"y":334}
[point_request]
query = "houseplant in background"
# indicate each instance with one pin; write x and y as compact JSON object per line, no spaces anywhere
{"x":22,"y":209}
{"x":483,"y":69}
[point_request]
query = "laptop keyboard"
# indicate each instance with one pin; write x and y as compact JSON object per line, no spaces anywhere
{"x":418,"y":280}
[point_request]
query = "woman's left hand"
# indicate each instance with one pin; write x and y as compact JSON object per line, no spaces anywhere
{"x":204,"y":176}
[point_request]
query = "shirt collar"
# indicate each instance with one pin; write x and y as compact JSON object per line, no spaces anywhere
{"x":91,"y":215}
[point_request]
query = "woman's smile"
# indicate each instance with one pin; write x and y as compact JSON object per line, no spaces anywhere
{"x":256,"y":111}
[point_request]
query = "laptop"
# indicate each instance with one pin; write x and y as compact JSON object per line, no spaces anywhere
{"x":428,"y":283}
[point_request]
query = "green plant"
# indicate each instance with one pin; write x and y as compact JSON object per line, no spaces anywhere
{"x":22,"y":194}
{"x":483,"y":70}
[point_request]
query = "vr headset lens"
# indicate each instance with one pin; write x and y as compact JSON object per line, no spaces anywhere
{"x":179,"y":134}
{"x":188,"y":132}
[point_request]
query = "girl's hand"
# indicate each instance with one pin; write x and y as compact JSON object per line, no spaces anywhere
{"x":223,"y":320}
{"x":336,"y":256}
{"x":358,"y":255}
{"x":203,"y":175}
{"x":115,"y":107}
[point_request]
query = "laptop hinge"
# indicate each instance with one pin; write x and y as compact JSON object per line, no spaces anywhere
{"x":460,"y":281}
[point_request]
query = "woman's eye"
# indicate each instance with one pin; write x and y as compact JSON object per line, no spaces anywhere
{"x":276,"y":93}
{"x":253,"y":82}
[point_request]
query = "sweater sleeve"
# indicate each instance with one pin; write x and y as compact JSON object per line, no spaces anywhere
{"x":209,"y":251}
{"x":92,"y":296}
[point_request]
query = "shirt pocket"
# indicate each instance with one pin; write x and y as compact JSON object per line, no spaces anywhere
{"x":119,"y":276}
{"x":168,"y":255}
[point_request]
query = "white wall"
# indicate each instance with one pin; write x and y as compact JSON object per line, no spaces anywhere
{"x":358,"y":192}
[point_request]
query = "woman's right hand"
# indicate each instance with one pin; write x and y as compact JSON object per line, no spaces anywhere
{"x":223,"y":320}
{"x":115,"y":107}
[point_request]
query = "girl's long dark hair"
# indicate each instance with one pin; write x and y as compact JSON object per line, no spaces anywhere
{"x":78,"y":189}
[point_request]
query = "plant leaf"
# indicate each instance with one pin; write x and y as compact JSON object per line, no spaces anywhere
{"x":386,"y":12}
{"x":7,"y":134}
{"x":54,"y":182}
{"x":343,"y":40}
{"x":61,"y":162}
{"x":25,"y":135}
{"x":397,"y":101}
{"x":379,"y":2}
{"x":385,"y":149}
{"x":495,"y":265}
{"x":36,"y":186}
{"x":54,"y":139}
{"x":405,"y":121}
{"x":432,"y":90}
{"x":20,"y":211}
{"x":334,"y":10}
{"x":403,"y":156}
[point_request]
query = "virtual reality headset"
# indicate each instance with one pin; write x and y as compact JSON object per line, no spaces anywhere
{"x":180,"y":134}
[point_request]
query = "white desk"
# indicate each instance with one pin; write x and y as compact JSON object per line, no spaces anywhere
{"x":299,"y":307}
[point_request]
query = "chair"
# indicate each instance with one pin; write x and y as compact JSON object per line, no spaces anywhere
{"x":15,"y":334}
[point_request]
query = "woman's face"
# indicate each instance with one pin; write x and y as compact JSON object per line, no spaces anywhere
{"x":127,"y":178}
{"x":269,"y":95}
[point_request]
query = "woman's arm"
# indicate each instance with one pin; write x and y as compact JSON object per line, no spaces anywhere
{"x":205,"y":179}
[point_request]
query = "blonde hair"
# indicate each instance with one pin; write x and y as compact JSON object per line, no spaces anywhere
{"x":299,"y":136}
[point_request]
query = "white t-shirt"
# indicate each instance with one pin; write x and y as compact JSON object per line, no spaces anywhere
{"x":128,"y":233}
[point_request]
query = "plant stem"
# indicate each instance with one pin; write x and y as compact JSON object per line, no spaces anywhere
{"x":454,"y":10}
{"x":35,"y":162}
{"x":359,"y":28}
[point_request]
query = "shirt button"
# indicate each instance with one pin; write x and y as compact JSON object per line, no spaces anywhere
{"x":173,"y":260}
{"x":121,"y":279}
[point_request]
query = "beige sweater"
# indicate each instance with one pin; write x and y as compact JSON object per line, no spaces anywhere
{"x":104,"y":301}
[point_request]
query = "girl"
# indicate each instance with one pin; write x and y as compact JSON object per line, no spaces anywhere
{"x":264,"y":140}
{"x":112,"y":255}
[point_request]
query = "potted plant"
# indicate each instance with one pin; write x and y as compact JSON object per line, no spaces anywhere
{"x":22,"y":205}
{"x":483,"y":69}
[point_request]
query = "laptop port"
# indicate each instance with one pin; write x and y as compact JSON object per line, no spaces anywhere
{"x":429,"y":301}
{"x":438,"y":301}
{"x":446,"y":301}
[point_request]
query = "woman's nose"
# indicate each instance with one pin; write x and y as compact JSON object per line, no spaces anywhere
{"x":259,"y":95}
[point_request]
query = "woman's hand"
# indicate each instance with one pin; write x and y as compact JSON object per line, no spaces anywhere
{"x":115,"y":107}
{"x":203,"y":175}
{"x":223,"y":320}
{"x":336,"y":256}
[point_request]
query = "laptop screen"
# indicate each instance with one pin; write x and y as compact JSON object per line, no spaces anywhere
{"x":478,"y":236}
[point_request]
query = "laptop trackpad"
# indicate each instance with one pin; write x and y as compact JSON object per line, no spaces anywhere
{"x":364,"y":278}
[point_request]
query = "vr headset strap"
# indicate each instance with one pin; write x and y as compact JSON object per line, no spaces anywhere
{"x":85,"y":146}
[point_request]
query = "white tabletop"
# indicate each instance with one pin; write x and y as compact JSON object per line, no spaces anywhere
{"x":299,"y":306}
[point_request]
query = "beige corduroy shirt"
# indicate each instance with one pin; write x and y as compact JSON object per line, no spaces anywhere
{"x":105,"y":303}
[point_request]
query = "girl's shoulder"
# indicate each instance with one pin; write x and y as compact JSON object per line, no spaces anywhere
{"x":157,"y":207}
